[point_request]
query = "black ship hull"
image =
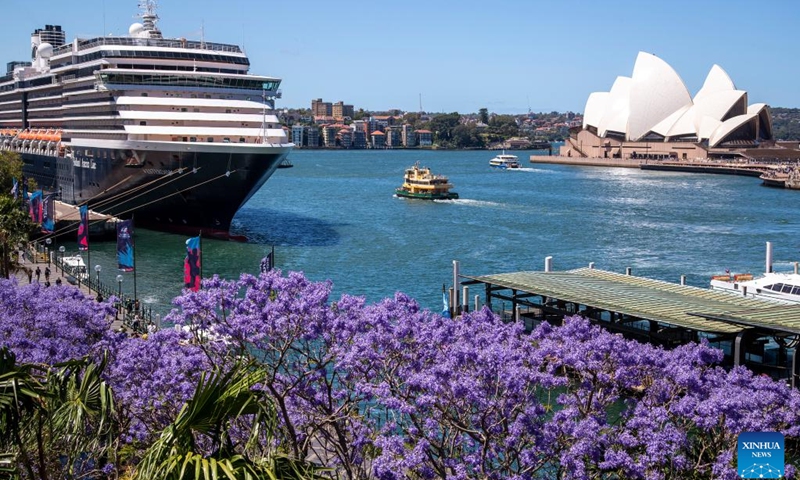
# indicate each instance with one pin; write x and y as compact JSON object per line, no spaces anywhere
{"x":185,"y":192}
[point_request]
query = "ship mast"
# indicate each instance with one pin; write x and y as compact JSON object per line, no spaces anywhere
{"x":149,"y":17}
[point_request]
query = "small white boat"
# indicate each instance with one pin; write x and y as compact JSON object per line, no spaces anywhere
{"x":783,"y":287}
{"x":504,"y":161}
{"x":75,"y":267}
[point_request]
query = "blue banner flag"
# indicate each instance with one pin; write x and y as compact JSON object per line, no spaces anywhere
{"x":35,"y":207}
{"x":125,"y":245}
{"x":49,"y":213}
{"x":83,"y":229}
{"x":191,"y":264}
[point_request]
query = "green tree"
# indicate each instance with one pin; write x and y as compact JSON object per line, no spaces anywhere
{"x":442,"y":127}
{"x":54,"y":423}
{"x":483,"y":113}
{"x":14,"y":227}
{"x":466,"y":136}
{"x":222,"y":401}
{"x":10,"y":168}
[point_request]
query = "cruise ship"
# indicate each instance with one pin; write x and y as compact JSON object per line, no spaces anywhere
{"x":174,"y":131}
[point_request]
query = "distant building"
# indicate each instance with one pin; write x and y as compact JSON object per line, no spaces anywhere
{"x":517,"y":143}
{"x":409,"y":136}
{"x":378,"y":139}
{"x":345,"y":137}
{"x":394,"y":137}
{"x":312,"y":137}
{"x":298,"y":134}
{"x":359,"y":139}
{"x":321,"y":109}
{"x":329,"y":135}
{"x":341,"y":111}
{"x":425,"y":138}
{"x":324,"y":119}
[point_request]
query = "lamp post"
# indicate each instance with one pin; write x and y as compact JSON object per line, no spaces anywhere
{"x":97,"y":269}
{"x":47,"y":249}
{"x":61,"y":255}
{"x":119,"y":289}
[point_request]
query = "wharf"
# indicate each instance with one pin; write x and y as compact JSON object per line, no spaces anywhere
{"x":761,"y":334}
{"x":781,"y":174}
{"x":586,"y":161}
{"x":100,"y":224}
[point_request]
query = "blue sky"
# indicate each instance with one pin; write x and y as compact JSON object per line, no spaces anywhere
{"x":504,"y":55}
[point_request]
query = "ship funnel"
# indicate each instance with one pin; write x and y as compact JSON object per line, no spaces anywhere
{"x":769,"y":258}
{"x":548,"y":264}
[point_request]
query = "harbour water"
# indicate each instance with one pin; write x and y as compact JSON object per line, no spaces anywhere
{"x":334,"y":216}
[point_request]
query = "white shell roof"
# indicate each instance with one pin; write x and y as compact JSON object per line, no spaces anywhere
{"x":656,"y":92}
{"x":728,"y":127}
{"x":655,"y":99}
{"x":595,"y":109}
{"x":717,"y":80}
{"x":617,"y":111}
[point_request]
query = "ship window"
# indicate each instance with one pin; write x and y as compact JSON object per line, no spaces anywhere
{"x":787,"y":288}
{"x":144,"y":94}
{"x":192,"y":139}
{"x":143,"y":122}
{"x":183,"y":109}
{"x":185,"y":139}
{"x":796,"y":290}
{"x":226,"y":140}
{"x":210,"y":139}
{"x":777,"y":287}
{"x":241,"y":139}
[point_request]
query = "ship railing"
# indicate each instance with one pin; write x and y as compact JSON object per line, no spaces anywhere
{"x":149,"y":42}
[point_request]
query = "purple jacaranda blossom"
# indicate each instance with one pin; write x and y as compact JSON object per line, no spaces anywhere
{"x":52,"y":324}
{"x":392,"y":391}
{"x":152,"y":378}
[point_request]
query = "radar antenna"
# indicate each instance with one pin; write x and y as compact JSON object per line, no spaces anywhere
{"x":149,"y":17}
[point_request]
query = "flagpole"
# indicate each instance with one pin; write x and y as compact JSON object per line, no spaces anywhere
{"x":273,"y":263}
{"x":133,"y":244}
{"x":200,"y":254}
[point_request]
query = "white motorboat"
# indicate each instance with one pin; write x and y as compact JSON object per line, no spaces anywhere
{"x":75,"y":266}
{"x":781,"y":287}
{"x":504,"y":161}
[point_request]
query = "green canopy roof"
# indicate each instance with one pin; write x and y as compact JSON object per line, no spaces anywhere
{"x":700,"y":309}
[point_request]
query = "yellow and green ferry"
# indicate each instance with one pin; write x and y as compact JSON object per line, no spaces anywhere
{"x":419,"y":182}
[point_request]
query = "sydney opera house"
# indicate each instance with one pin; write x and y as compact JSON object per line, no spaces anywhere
{"x":651,"y":114}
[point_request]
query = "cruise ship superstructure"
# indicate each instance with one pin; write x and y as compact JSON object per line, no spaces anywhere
{"x":175,"y":131}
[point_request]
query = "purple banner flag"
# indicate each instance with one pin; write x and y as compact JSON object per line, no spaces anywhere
{"x":35,"y":207}
{"x":125,"y":245}
{"x":83,"y":229}
{"x":49,"y":213}
{"x":191,"y":264}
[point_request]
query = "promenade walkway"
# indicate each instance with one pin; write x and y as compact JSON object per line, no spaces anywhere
{"x":30,"y":260}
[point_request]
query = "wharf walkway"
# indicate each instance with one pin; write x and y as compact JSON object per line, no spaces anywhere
{"x":35,"y":256}
{"x":761,"y":334}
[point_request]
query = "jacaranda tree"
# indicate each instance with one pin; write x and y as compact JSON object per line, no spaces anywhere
{"x":392,"y":391}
